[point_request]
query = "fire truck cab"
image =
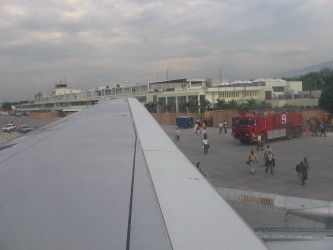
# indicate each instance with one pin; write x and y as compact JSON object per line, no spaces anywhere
{"x":269,"y":124}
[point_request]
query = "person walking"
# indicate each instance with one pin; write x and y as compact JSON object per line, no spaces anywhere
{"x":205,"y":145}
{"x":259,"y":143}
{"x":204,"y":132}
{"x":200,"y":169}
{"x":198,"y":127}
{"x":322,"y":130}
{"x":267,"y":150}
{"x":303,"y":169}
{"x":177,"y":136}
{"x":220,"y":127}
{"x":225,"y":127}
{"x":252,"y":159}
{"x":269,"y":162}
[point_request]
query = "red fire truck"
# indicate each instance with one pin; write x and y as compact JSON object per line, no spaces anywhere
{"x":269,"y":124}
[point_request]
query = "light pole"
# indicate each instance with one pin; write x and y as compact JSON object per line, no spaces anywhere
{"x":220,"y":75}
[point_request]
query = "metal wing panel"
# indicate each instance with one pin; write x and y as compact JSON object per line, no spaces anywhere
{"x":68,"y":186}
{"x":148,"y":231}
{"x":61,"y":191}
{"x":196,"y":216}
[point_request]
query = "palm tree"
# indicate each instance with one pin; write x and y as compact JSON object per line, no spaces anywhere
{"x":151,"y":107}
{"x":232,"y":104}
{"x":189,"y":106}
{"x":264,"y":105}
{"x":204,"y":104}
{"x":159,"y":106}
{"x":220,"y":104}
{"x":166,"y":107}
{"x":251,"y":104}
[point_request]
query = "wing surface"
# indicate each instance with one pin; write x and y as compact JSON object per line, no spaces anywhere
{"x":109,"y":177}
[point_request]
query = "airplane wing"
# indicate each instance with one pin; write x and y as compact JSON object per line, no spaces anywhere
{"x":109,"y":177}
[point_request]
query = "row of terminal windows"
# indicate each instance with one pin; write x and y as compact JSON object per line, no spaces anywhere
{"x":183,"y":104}
{"x":250,"y":93}
{"x":182,"y":100}
{"x":228,"y":94}
{"x":231,"y":94}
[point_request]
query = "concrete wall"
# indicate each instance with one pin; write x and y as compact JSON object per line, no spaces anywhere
{"x":41,"y":115}
{"x":221,"y":115}
{"x":307,"y":114}
{"x":216,"y":116}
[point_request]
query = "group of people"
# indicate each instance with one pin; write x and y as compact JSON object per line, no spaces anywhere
{"x":320,"y":128}
{"x":205,"y":143}
{"x":268,"y":160}
{"x":200,"y":124}
{"x":223,"y":126}
{"x":197,"y":129}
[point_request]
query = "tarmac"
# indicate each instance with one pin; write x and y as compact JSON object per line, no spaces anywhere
{"x":19,"y":120}
{"x":225,"y":163}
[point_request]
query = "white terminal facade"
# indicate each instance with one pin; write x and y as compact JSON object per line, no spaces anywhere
{"x":175,"y":93}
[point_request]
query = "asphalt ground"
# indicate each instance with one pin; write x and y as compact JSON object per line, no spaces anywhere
{"x":225,"y":163}
{"x":19,"y":120}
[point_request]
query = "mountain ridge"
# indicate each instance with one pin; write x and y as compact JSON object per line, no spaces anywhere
{"x":312,"y":68}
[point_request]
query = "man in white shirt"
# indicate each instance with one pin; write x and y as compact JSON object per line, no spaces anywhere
{"x":259,"y":143}
{"x":205,"y":145}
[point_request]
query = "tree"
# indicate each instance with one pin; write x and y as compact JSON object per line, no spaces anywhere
{"x":189,"y":106}
{"x":314,"y":80}
{"x":6,"y":106}
{"x":264,"y":105}
{"x":251,"y":104}
{"x":165,"y":107}
{"x":204,"y":104}
{"x":220,"y":104}
{"x":151,"y":107}
{"x":326,"y":98}
{"x":232,"y":104}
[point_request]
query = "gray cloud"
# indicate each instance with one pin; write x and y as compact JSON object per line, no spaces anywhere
{"x":93,"y":43}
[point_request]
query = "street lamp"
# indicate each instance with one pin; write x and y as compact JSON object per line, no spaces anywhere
{"x":220,"y":75}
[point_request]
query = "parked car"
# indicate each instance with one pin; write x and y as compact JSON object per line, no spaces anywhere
{"x":9,"y":128}
{"x":24,"y":128}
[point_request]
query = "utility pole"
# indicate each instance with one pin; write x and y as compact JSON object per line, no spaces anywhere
{"x":167,"y":75}
{"x":220,"y":75}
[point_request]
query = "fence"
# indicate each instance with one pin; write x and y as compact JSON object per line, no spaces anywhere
{"x":220,"y":115}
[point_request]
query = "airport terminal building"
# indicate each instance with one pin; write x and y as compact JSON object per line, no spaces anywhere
{"x":174,"y":95}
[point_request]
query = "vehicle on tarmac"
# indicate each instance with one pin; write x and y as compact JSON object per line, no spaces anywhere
{"x":9,"y":128}
{"x":269,"y":124}
{"x":24,"y":128}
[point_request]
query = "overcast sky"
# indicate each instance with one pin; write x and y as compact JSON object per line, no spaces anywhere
{"x":92,"y":43}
